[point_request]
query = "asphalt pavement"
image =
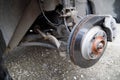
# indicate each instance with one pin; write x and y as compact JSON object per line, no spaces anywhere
{"x":38,"y":63}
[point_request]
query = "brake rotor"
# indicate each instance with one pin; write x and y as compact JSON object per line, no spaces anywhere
{"x":87,"y":41}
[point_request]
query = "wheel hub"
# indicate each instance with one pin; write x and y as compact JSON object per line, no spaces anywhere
{"x":93,"y":43}
{"x":98,"y":45}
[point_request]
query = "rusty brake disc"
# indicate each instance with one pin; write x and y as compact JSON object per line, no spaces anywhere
{"x":87,"y":41}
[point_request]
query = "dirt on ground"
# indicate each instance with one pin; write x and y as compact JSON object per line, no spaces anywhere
{"x":38,"y":63}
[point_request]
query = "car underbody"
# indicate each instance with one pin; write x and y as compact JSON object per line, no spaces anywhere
{"x":84,"y":25}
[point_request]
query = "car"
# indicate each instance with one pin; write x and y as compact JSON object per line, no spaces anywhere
{"x":85,"y":25}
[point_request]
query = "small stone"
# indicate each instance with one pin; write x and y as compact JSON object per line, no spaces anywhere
{"x":69,"y":61}
{"x":63,"y":54}
{"x":31,"y":30}
{"x":55,"y":70}
{"x":75,"y":77}
{"x":81,"y":76}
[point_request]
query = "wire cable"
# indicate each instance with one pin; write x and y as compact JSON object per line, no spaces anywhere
{"x":51,"y":23}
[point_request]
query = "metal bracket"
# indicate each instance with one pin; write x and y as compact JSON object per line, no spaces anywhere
{"x":110,"y":24}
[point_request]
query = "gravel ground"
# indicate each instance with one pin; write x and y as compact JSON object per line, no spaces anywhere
{"x":36,"y":63}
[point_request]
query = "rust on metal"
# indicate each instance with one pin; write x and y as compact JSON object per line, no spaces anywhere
{"x":74,"y":38}
{"x":98,"y":45}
